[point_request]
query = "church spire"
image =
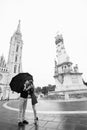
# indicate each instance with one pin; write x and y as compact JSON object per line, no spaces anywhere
{"x":18,"y":27}
{"x":15,"y":51}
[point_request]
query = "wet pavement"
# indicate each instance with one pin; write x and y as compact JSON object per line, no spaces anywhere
{"x":8,"y":118}
{"x":53,"y":105}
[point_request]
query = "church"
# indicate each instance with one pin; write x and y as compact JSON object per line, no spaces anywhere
{"x":13,"y":65}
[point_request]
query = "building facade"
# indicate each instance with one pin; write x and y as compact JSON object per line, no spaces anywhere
{"x":13,"y":65}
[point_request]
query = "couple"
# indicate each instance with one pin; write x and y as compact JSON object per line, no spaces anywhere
{"x":28,"y":90}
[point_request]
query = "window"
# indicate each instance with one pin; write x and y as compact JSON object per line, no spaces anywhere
{"x":15,"y":68}
{"x":16,"y":58}
{"x":65,"y":66}
{"x":17,"y":48}
{"x":19,"y":69}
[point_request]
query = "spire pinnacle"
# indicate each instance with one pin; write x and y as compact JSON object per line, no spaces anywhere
{"x":18,"y":27}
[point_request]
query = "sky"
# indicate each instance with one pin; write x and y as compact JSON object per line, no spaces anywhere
{"x":41,"y":20}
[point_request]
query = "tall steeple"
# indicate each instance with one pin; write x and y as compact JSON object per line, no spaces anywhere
{"x":15,"y":53}
{"x":18,"y":27}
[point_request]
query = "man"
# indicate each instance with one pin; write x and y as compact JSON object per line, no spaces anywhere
{"x":23,"y":105}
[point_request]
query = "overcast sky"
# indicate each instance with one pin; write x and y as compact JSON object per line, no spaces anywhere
{"x":40,"y":21}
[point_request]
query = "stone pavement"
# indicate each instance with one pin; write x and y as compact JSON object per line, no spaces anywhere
{"x":8,"y":121}
{"x":58,"y":122}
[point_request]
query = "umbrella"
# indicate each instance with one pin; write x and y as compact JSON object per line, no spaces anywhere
{"x":17,"y":82}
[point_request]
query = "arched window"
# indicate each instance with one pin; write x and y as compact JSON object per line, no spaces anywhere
{"x":0,"y":90}
{"x":17,"y":48}
{"x":15,"y":68}
{"x":19,"y":69}
{"x":16,"y":58}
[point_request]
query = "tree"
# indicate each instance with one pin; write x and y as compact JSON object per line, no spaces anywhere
{"x":38,"y":90}
{"x":44,"y":90}
{"x":51,"y":87}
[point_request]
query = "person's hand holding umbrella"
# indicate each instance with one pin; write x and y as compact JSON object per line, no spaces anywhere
{"x":28,"y":85}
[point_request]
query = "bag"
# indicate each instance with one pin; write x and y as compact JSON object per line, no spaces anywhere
{"x":34,"y":99}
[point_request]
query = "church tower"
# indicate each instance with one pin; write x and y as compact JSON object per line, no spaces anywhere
{"x":15,"y":53}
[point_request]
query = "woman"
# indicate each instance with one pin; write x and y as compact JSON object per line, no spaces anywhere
{"x":31,"y":92}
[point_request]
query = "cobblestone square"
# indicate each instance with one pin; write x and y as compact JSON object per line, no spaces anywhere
{"x":60,"y":120}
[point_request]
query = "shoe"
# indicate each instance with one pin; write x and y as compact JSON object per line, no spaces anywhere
{"x":25,"y":122}
{"x":35,"y":120}
{"x":20,"y":124}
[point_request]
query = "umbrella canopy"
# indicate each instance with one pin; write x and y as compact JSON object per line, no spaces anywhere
{"x":17,"y":82}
